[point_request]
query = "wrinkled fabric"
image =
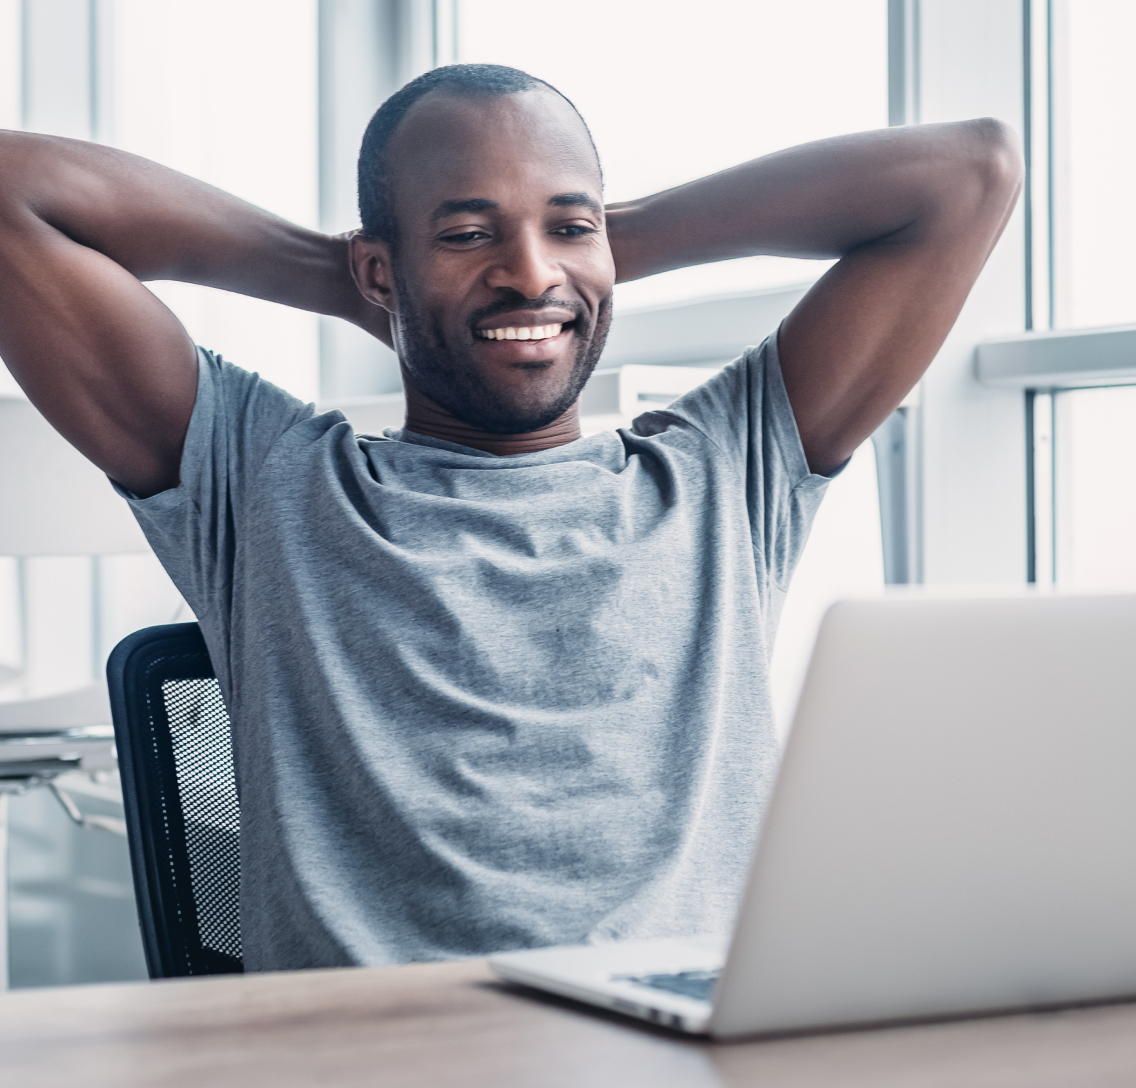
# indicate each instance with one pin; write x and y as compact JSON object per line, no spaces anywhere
{"x":484,"y":703}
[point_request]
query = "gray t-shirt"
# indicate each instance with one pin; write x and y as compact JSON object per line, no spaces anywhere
{"x":480,"y":702}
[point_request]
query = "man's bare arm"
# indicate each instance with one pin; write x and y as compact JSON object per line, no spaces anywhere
{"x":912,"y":213}
{"x":98,"y":354}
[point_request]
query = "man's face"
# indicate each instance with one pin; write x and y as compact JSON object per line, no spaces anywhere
{"x":501,"y":234}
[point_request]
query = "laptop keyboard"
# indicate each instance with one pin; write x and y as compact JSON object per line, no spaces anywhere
{"x":696,"y":984}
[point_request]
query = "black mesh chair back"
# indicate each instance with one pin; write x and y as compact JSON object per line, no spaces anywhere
{"x":179,"y":792}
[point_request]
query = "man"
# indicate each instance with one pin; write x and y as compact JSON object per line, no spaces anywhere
{"x":493,"y":685}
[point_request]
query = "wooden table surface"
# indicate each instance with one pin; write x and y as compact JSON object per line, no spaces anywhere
{"x":448,"y":1024}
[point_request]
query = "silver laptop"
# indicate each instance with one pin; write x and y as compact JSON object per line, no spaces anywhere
{"x":952,"y":831}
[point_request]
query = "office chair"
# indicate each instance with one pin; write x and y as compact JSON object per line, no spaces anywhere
{"x":180,"y":800}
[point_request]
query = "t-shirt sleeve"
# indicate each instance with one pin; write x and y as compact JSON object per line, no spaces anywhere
{"x":744,"y":412}
{"x":237,"y":418}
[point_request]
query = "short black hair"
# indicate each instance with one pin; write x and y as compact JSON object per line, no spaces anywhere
{"x":376,"y":209}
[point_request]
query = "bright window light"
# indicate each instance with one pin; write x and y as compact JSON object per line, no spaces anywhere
{"x":228,"y":92}
{"x":1095,"y":489}
{"x":1095,"y":176}
{"x":1092,"y":488}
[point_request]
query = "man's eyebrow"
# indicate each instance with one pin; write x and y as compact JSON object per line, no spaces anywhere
{"x":575,"y":200}
{"x":456,"y":207}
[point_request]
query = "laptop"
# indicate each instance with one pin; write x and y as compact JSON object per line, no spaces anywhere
{"x":952,"y":832}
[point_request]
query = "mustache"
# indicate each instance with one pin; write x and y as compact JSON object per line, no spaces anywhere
{"x":517,"y":304}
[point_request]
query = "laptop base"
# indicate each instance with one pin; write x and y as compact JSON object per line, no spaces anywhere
{"x":651,"y":980}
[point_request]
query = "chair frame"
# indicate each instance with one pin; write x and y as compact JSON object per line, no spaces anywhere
{"x":167,"y":913}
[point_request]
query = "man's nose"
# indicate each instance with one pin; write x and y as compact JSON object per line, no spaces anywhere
{"x":526,"y":266}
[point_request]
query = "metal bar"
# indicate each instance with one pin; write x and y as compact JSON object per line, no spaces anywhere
{"x":1041,"y":483}
{"x":444,"y":16}
{"x":897,"y":57}
{"x":359,"y":42}
{"x":23,"y":617}
{"x":1037,"y":127}
{"x":1027,"y":151}
{"x":914,"y":415}
{"x":914,"y":73}
{"x":1054,"y":556}
{"x":903,"y":62}
{"x":68,"y":804}
{"x":25,"y":74}
{"x":3,"y":890}
{"x":102,"y":14}
{"x":1064,"y":359}
{"x":1031,"y":484}
{"x":891,"y":446}
{"x":897,"y":464}
{"x":1050,"y":169}
{"x":98,"y":823}
{"x":96,"y":617}
{"x":92,"y":67}
{"x":435,"y":45}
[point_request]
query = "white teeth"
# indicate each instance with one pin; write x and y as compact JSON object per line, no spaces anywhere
{"x":535,"y":332}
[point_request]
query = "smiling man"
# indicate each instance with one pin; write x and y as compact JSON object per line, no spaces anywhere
{"x":503,"y":347}
{"x":493,"y":685}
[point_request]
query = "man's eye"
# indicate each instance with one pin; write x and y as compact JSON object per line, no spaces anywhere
{"x":465,"y":236}
{"x":575,"y":231}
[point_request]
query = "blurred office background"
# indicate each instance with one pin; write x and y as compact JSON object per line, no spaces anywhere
{"x":1010,"y":463}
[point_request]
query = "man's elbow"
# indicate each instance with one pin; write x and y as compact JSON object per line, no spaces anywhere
{"x":995,"y":161}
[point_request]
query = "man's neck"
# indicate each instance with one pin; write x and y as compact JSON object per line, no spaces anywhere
{"x":427,"y":417}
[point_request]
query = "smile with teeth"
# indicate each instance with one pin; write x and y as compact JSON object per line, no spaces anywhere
{"x":539,"y":332}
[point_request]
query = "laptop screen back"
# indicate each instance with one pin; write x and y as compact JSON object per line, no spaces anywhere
{"x":954,"y":824}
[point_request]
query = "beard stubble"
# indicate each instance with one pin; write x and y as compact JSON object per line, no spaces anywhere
{"x":451,"y":379}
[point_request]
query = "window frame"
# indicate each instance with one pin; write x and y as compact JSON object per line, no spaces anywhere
{"x":1044,"y":361}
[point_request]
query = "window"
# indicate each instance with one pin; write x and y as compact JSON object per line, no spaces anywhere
{"x":1083,"y":529}
{"x":228,"y":93}
{"x":219,"y":90}
{"x":1086,"y":487}
{"x":1094,"y":174}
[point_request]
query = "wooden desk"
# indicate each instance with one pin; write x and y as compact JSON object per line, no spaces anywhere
{"x":447,"y":1024}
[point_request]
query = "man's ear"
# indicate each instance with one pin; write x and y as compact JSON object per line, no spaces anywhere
{"x":372,"y":271}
